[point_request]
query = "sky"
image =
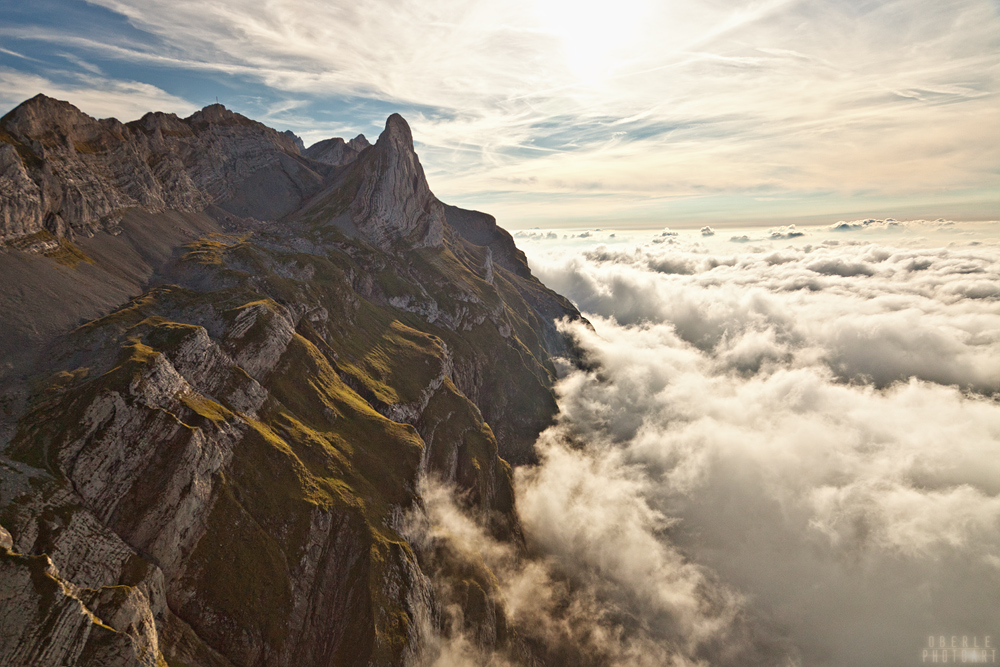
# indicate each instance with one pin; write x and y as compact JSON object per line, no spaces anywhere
{"x":559,"y":113}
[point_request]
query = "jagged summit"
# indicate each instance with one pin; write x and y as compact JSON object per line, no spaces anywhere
{"x":393,"y":199}
{"x":38,"y":105}
{"x":336,"y":151}
{"x":296,"y":139}
{"x":397,"y":129}
{"x":218,"y":114}
{"x":53,"y":121}
{"x":42,"y":105}
{"x":66,"y":173}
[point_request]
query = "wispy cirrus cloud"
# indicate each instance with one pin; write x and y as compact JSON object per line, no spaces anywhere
{"x":100,"y":95}
{"x":642,"y":111}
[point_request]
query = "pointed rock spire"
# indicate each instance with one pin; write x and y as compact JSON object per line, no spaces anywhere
{"x":393,"y":200}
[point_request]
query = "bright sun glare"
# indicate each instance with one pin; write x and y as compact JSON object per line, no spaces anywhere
{"x":595,"y":35}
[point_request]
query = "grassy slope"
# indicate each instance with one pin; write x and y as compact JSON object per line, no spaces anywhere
{"x":317,"y":444}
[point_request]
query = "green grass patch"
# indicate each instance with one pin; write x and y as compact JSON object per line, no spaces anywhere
{"x":68,"y":254}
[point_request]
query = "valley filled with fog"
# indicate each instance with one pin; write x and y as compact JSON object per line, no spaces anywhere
{"x":784,"y":448}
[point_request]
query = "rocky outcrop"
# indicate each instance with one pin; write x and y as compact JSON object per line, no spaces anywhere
{"x":296,"y":139}
{"x":68,"y":173}
{"x":392,"y":201}
{"x":21,"y":211}
{"x":44,"y":620}
{"x":336,"y":151}
{"x":547,"y":308}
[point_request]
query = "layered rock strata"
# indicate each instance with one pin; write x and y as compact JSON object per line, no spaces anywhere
{"x":336,"y":151}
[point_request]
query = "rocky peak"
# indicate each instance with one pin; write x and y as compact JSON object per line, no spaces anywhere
{"x":359,"y":143}
{"x":296,"y":139}
{"x":217,"y":114}
{"x":163,"y":122}
{"x":397,"y":131}
{"x":394,"y":201}
{"x":41,"y":112}
{"x":336,"y":151}
{"x":220,"y":120}
{"x":53,"y":122}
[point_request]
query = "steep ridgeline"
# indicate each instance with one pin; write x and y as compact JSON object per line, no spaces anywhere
{"x":216,"y":467}
{"x":64,"y":172}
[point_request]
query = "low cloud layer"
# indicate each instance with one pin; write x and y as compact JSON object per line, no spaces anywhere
{"x":866,"y":312}
{"x":820,"y":420}
{"x":779,"y":455}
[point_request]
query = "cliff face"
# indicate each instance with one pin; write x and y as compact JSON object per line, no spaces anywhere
{"x":67,"y":173}
{"x":336,"y":151}
{"x":383,"y":195}
{"x":215,"y":469}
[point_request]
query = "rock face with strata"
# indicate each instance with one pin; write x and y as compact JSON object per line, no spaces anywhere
{"x":68,"y":173}
{"x":336,"y":151}
{"x":393,"y":200}
{"x":216,"y":468}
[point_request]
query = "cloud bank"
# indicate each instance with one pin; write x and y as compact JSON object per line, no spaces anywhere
{"x":779,"y":455}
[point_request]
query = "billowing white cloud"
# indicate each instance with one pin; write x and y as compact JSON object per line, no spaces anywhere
{"x":785,"y":455}
{"x":813,"y":427}
{"x":789,"y":232}
{"x":599,"y":587}
{"x":536,"y":236}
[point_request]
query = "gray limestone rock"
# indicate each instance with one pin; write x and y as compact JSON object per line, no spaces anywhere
{"x":393,"y":200}
{"x":47,"y":622}
{"x":336,"y":151}
{"x":68,"y":173}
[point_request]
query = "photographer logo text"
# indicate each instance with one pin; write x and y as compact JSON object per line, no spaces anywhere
{"x":959,"y":649}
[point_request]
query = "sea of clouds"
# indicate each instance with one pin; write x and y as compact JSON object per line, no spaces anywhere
{"x":780,"y":450}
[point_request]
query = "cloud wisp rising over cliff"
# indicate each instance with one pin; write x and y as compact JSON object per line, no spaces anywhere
{"x":639,"y":112}
{"x":778,"y":452}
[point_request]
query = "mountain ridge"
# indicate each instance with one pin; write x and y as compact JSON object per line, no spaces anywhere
{"x":229,"y":366}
